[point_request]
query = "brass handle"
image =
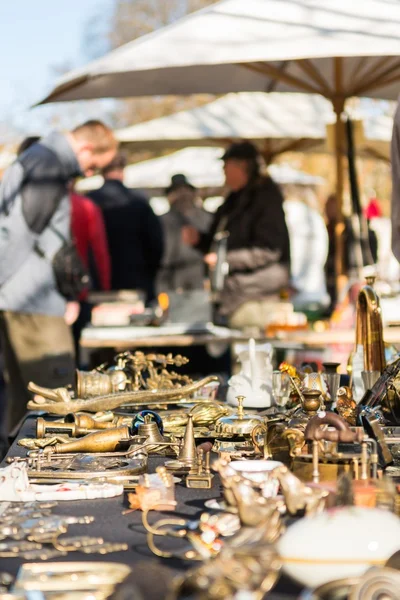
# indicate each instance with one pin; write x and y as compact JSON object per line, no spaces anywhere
{"x":259,"y":429}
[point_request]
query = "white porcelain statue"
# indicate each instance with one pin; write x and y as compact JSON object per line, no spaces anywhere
{"x":254,"y":381}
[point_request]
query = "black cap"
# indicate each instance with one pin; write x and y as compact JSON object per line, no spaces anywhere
{"x":241,"y":151}
{"x":178,"y":181}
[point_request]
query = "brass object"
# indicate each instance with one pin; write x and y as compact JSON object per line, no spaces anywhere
{"x":325,"y":463}
{"x":94,"y":383}
{"x":121,"y":467}
{"x":74,"y":425}
{"x":346,"y":406}
{"x":254,"y":510}
{"x":204,"y":415}
{"x":299,"y":496}
{"x":187,"y":454}
{"x":340,"y":433}
{"x":311,"y":401}
{"x":369,"y":329}
{"x":43,"y":427}
{"x":205,"y":535}
{"x":40,"y":443}
{"x":99,"y":441}
{"x":377,"y":583}
{"x":295,"y":439}
{"x":84,"y":421}
{"x":57,"y":403}
{"x":149,"y":429}
{"x":200,"y":477}
{"x":238,"y":424}
{"x":247,"y":564}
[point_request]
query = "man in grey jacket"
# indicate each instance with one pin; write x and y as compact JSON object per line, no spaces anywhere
{"x":34,"y":223}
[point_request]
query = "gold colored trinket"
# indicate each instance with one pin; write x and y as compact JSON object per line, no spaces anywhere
{"x":99,"y":441}
{"x":201,"y":476}
{"x":60,"y":402}
{"x":238,"y":423}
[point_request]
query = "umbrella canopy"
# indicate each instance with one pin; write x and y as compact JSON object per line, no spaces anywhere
{"x":202,"y":167}
{"x":270,"y":120}
{"x":336,"y":48}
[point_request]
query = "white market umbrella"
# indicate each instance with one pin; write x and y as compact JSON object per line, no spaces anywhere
{"x":202,"y":166}
{"x":336,"y":48}
{"x":269,"y":120}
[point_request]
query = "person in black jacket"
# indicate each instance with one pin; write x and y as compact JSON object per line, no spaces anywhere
{"x":258,"y":243}
{"x":134,"y":232}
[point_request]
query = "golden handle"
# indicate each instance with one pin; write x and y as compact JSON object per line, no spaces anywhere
{"x":260,"y":430}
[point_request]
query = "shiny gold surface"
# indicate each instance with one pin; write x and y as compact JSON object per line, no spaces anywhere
{"x":55,"y":402}
{"x":238,"y":423}
{"x":99,"y":441}
{"x":369,"y":329}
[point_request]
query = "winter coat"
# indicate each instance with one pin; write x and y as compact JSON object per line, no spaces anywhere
{"x":183,"y":266}
{"x":258,"y":244}
{"x":134,"y":235}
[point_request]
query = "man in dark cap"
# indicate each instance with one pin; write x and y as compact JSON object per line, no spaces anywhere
{"x":134,"y":232}
{"x":258,"y":240}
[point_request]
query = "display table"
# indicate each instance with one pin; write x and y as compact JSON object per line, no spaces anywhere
{"x":123,"y":338}
{"x":128,"y":337}
{"x":150,"y":575}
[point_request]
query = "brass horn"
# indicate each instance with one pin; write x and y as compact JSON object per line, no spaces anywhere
{"x":369,"y":329}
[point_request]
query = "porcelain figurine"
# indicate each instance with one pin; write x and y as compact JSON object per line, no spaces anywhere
{"x":254,"y":381}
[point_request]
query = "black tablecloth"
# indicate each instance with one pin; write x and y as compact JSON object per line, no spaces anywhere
{"x":151,"y":575}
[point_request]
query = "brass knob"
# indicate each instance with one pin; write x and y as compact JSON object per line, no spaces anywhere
{"x":240,"y":400}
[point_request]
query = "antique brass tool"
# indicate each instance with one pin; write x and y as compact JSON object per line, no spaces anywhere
{"x":324,"y":461}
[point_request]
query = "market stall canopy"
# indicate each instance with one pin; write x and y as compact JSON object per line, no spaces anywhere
{"x":276,"y":122}
{"x":202,"y":167}
{"x":335,"y":47}
{"x":272,"y":120}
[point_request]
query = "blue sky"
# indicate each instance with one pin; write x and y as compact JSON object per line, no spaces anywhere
{"x":35,"y":34}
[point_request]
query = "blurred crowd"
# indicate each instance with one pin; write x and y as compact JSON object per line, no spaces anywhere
{"x":56,"y":244}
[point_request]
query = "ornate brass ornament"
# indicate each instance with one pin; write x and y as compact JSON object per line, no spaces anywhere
{"x":60,"y":403}
{"x":246,"y":564}
{"x":111,"y":466}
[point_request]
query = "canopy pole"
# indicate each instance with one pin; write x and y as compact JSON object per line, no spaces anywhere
{"x":338,"y":106}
